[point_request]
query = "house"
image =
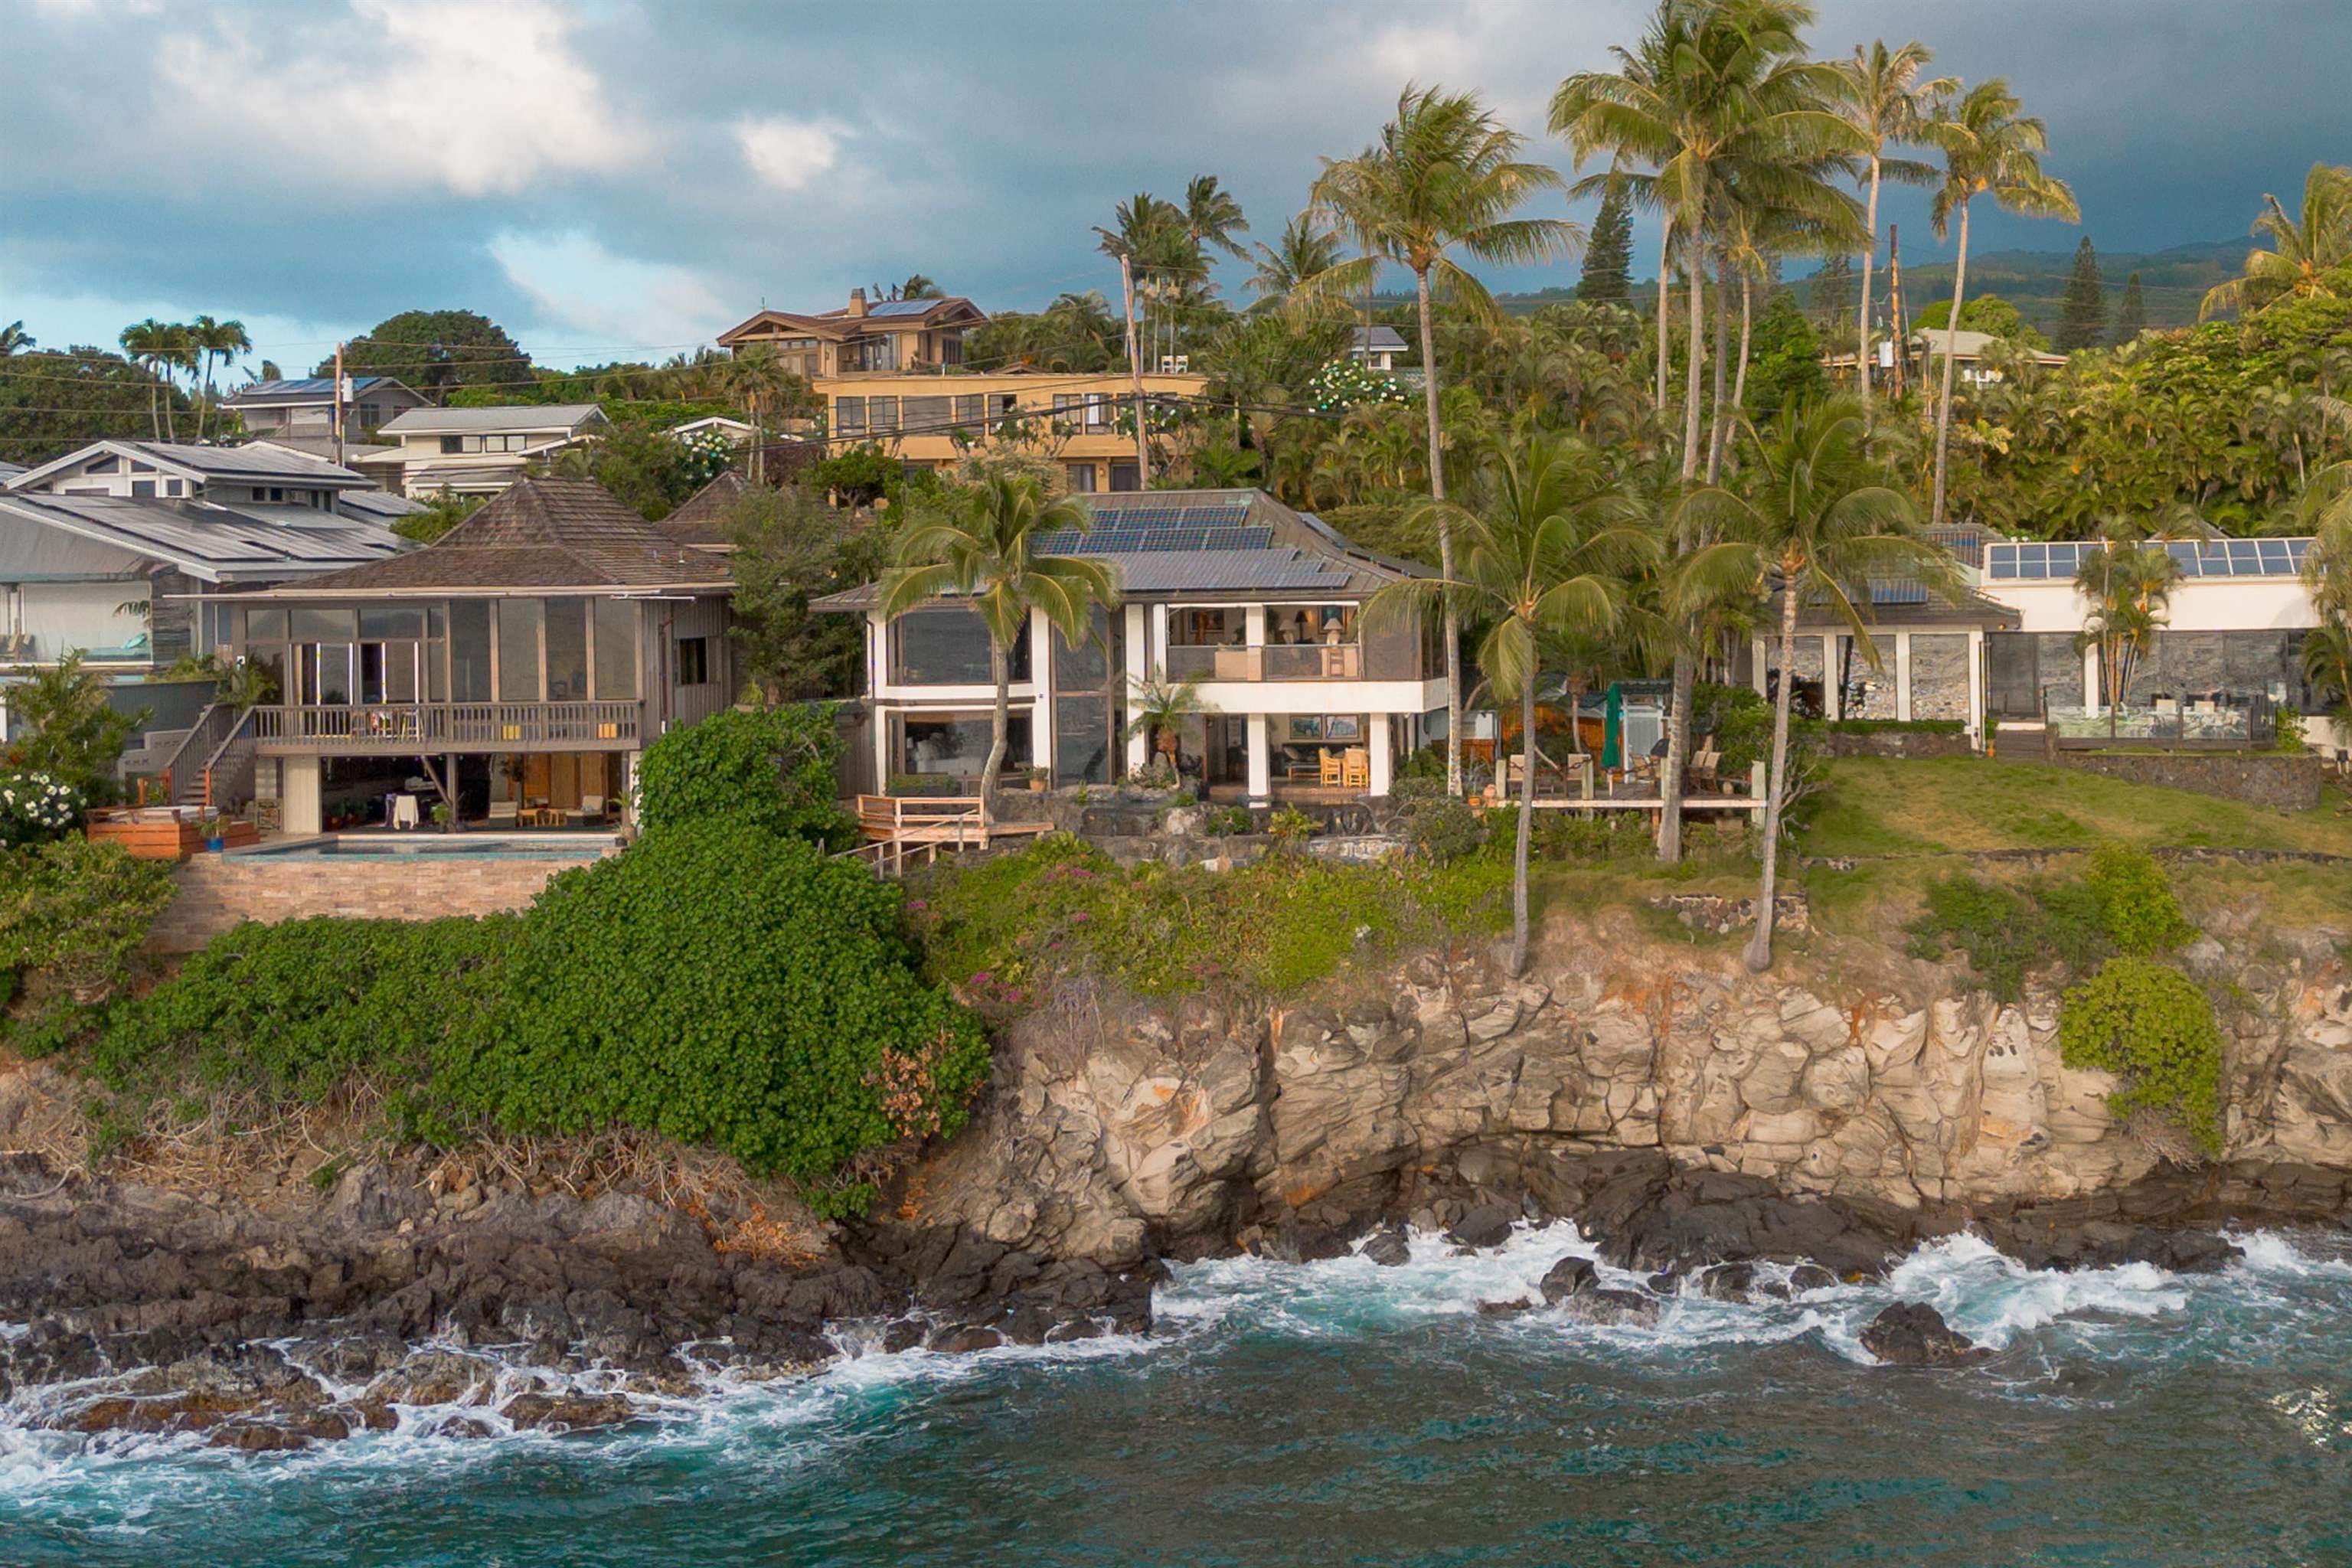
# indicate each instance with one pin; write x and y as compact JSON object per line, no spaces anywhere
{"x":111,"y":577}
{"x":244,"y":477}
{"x":1375,"y":348}
{"x":305,"y":408}
{"x":482,"y":451}
{"x":1260,"y":605}
{"x":893,"y":373}
{"x":736,"y":431}
{"x":1967,"y":350}
{"x":1931,"y":657}
{"x":519,"y":662}
{"x":886,"y":337}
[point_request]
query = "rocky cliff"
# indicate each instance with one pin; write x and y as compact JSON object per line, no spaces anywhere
{"x":1426,"y":1090}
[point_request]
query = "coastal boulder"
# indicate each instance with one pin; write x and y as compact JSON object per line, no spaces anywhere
{"x":1912,"y":1333}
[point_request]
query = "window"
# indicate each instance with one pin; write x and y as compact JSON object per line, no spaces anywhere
{"x":260,"y":494}
{"x":848,"y":415}
{"x":947,"y":646}
{"x":1080,"y":478}
{"x":470,"y":652}
{"x":693,"y":661}
{"x":143,"y":488}
{"x":616,"y":650}
{"x":451,"y":445}
{"x":265,"y":625}
{"x":1126,"y":476}
{"x":928,"y":414}
{"x":567,"y":650}
{"x":956,"y":744}
{"x":520,"y":623}
{"x":324,"y":626}
{"x":883,"y":414}
{"x":105,"y":465}
{"x":972,"y":409}
{"x":173,"y":487}
{"x":1099,"y":415}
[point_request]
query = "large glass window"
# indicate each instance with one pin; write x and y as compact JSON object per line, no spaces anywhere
{"x":567,"y":650}
{"x":470,"y":652}
{"x":947,"y":648}
{"x":956,"y":744}
{"x":330,"y":682}
{"x":617,"y":648}
{"x":265,"y":625}
{"x":520,"y":623}
{"x":324,"y":626}
{"x":929,"y":415}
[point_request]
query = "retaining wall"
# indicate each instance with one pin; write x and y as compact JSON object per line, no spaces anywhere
{"x":2288,"y":781}
{"x":213,"y":892}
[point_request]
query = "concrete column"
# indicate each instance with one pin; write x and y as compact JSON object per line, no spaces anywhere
{"x":1159,"y":641}
{"x":1832,"y":681}
{"x":1041,"y":681}
{"x":302,"y":811}
{"x":1378,"y":743}
{"x":1261,"y":763}
{"x":2094,"y":694}
{"x":1756,"y":667}
{"x":1253,"y":626}
{"x":1976,"y":686}
{"x":1139,"y":667}
{"x":1903,"y":676}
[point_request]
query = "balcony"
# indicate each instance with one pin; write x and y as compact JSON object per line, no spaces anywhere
{"x":402,"y":728}
{"x":1274,"y":661}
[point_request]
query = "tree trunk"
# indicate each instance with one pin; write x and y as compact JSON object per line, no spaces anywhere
{"x":1944,"y":404}
{"x":1693,"y":270}
{"x":1665,"y":239}
{"x":1759,"y":956}
{"x":1000,"y":665}
{"x":1721,"y":423}
{"x":1670,"y":781}
{"x":1869,"y":255}
{"x":1444,"y":542}
{"x":1747,"y":334}
{"x":1527,"y":822}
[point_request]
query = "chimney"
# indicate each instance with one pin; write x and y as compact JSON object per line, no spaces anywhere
{"x":857,"y":303}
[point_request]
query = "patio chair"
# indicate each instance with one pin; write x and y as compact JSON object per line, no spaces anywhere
{"x":592,"y":808}
{"x":1358,"y":769}
{"x":1334,"y":773}
{"x":1704,"y":765}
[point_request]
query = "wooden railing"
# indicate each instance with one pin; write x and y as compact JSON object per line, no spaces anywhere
{"x":182,"y":775}
{"x":1272,"y":661}
{"x":382,"y":726}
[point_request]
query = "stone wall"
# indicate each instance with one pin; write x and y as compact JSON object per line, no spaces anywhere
{"x":2282,"y":783}
{"x":1116,"y":1132}
{"x":1895,"y":743}
{"x":213,"y":892}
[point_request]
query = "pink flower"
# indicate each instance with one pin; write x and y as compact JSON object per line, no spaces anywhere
{"x":917,"y":904}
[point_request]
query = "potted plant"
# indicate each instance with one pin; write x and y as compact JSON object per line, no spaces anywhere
{"x":1038,"y":778}
{"x":216,"y":838}
{"x":445,"y":818}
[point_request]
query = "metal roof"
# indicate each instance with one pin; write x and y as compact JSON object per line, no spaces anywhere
{"x":300,"y":389}
{"x":522,"y":417}
{"x":217,"y":543}
{"x":204,"y":463}
{"x":1378,"y":338}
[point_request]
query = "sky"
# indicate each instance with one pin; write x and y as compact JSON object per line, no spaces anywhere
{"x":624,"y":178}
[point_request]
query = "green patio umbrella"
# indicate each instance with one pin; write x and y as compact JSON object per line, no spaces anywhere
{"x":1612,"y":731}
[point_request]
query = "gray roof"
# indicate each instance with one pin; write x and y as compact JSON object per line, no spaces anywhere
{"x":700,"y":520}
{"x":377,"y":503}
{"x":505,"y":416}
{"x":1170,"y":544}
{"x":245,"y":463}
{"x":541,"y":534}
{"x":10,"y":470}
{"x":305,"y":389}
{"x":214,"y":543}
{"x":324,"y":447}
{"x":1376,"y":338}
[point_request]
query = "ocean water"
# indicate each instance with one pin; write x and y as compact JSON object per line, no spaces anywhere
{"x":1339,"y":1413}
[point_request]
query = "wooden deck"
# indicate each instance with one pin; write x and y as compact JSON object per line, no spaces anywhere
{"x":900,"y":828}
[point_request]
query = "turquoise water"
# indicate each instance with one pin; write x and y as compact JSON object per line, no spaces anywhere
{"x":435,"y":846}
{"x":1338,"y":1412}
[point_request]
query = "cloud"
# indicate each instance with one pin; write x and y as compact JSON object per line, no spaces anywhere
{"x":482,"y":98}
{"x":596,"y":300}
{"x":790,"y":154}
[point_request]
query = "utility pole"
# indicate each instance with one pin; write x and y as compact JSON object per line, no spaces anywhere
{"x":339,"y":405}
{"x":1895,"y":304}
{"x":1135,"y":371}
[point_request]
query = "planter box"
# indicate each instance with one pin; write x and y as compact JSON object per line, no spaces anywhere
{"x":148,"y":836}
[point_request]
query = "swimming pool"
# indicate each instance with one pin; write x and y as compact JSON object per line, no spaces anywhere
{"x":438,"y":847}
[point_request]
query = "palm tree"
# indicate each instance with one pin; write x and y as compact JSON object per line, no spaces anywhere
{"x":1989,"y":150}
{"x":2128,"y":584}
{"x":153,"y":345}
{"x":919,"y":287}
{"x":1818,"y":522}
{"x":982,"y":546}
{"x":1155,"y":708}
{"x":1443,"y":177}
{"x":215,"y":340}
{"x":1549,"y":547}
{"x":2304,"y":250}
{"x":1886,"y":102}
{"x":1306,"y":248}
{"x":15,"y":339}
{"x":1213,"y":217}
{"x":756,"y":378}
{"x":2328,"y":668}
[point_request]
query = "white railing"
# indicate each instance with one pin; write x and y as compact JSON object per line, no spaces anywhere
{"x":375,"y":726}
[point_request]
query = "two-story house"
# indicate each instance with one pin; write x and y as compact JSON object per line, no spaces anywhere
{"x":304,"y":409}
{"x":1260,"y":606}
{"x":894,"y":373}
{"x":519,"y":662}
{"x":482,"y":451}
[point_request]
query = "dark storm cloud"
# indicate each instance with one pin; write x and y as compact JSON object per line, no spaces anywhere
{"x":621,"y":173}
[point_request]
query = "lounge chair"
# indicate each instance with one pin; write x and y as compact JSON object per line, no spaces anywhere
{"x":592,"y":808}
{"x":502,"y":812}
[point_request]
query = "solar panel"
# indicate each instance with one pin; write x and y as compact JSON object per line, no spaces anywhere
{"x":1897,"y":591}
{"x":900,"y":307}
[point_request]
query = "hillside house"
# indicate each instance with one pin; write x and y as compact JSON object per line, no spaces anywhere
{"x":482,"y":451}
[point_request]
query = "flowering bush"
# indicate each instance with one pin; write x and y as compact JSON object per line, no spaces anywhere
{"x":709,"y":454}
{"x":37,"y":808}
{"x":1344,"y":382}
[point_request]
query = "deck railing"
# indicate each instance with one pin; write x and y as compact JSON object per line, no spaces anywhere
{"x":379,"y":726}
{"x":1273,"y":661}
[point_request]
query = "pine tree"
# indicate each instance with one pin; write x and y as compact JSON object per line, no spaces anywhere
{"x":2131,"y":316}
{"x":1609,"y":259}
{"x":2083,"y":315}
{"x":1830,"y":297}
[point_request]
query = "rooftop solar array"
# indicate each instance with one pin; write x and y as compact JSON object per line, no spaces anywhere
{"x":903,"y":307}
{"x":1119,"y":539}
{"x":1217,"y":515}
{"x":2010,"y":561}
{"x":1897,"y":591}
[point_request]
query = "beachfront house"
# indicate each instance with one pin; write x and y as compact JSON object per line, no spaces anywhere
{"x":516,"y":666}
{"x":482,"y":451}
{"x":1262,"y":607}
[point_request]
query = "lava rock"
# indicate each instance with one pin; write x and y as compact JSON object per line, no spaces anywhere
{"x":1807,"y":1277}
{"x":1388,"y":1249}
{"x":964,"y":1338}
{"x":567,"y":1412}
{"x":1569,"y":1277}
{"x":1604,"y":1308}
{"x":1506,"y":1308}
{"x":1488,"y":1225}
{"x":1912,"y":1333}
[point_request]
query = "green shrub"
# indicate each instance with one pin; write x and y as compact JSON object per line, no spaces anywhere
{"x":724,"y":985}
{"x":72,"y":913}
{"x":2135,"y":899}
{"x":771,"y":768}
{"x":2151,"y":1026}
{"x":1225,"y":821}
{"x":36,"y":808}
{"x":1739,"y":718}
{"x":2006,"y":932}
{"x":296,"y":1010}
{"x":1605,"y":835}
{"x":1438,"y":827}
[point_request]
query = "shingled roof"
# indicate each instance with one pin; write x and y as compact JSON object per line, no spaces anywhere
{"x":701,"y":520}
{"x":544,"y":534}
